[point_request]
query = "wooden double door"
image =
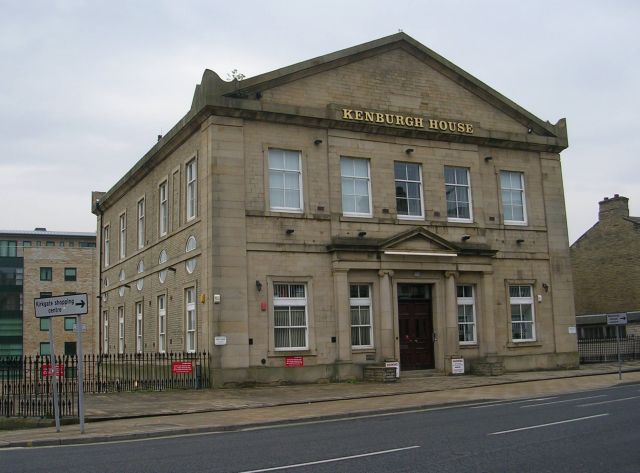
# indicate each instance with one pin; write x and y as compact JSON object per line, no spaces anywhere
{"x":415,"y":322}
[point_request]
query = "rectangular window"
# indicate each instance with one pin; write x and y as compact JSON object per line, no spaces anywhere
{"x":141,"y":234}
{"x":138,"y":327}
{"x":121,"y":329}
{"x":85,"y":244}
{"x":45,"y":349}
{"x":360,"y":306}
{"x":72,"y":244}
{"x":105,"y":332}
{"x":162,"y":324}
{"x":192,"y":176}
{"x":122,"y":242}
{"x":285,"y":180}
{"x":408,"y":190}
{"x":70,"y":274}
{"x":458,"y":194}
{"x":38,"y":243}
{"x":163,"y":211}
{"x":70,"y":349}
{"x":26,"y":244}
{"x":105,"y":239}
{"x":466,"y":315}
{"x":46,"y":274}
{"x":356,"y":187}
{"x":51,"y":243}
{"x":290,"y":316}
{"x":61,"y":244}
{"x":190,"y":300}
{"x":522,"y":314}
{"x":8,"y":248}
{"x":44,"y":323}
{"x":46,"y":294}
{"x":69,"y":322}
{"x":513,"y":199}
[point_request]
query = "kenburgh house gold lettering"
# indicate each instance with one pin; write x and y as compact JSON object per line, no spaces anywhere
{"x":406,"y":121}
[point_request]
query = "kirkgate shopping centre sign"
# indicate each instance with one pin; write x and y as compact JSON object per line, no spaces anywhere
{"x":408,"y":121}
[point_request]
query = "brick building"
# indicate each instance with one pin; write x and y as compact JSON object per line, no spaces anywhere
{"x":377,"y":203}
{"x":606,"y":270}
{"x":43,"y":263}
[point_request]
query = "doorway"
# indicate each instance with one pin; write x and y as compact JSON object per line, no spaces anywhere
{"x":415,"y":322}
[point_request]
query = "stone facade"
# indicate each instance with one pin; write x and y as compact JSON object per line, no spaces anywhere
{"x":275,"y":281}
{"x":44,"y":256}
{"x":606,"y":267}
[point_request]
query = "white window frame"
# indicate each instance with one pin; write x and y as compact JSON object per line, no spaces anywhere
{"x":191,"y":171}
{"x":191,"y":324}
{"x":456,"y":185}
{"x":353,"y":178}
{"x":465,"y":301}
{"x":141,"y":229}
{"x":289,"y":302}
{"x":162,"y":323}
{"x":163,"y":207}
{"x":521,"y":189}
{"x":120,"y":330}
{"x":284,"y":172}
{"x":191,"y":245}
{"x":122,"y":242}
{"x":409,"y":181}
{"x":360,"y":302}
{"x":522,"y":301}
{"x":106,"y":239}
{"x":105,"y":333}
{"x":139,"y":327}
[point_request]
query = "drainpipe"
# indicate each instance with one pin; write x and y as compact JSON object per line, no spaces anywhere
{"x":99,"y":212}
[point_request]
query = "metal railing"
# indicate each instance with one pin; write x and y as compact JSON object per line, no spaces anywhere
{"x":26,"y":382}
{"x":604,"y":350}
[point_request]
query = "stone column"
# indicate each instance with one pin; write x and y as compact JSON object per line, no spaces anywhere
{"x":451,"y":317}
{"x":488,"y":329}
{"x":343,"y":317}
{"x":389,"y":346}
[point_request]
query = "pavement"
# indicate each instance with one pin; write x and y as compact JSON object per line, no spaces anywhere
{"x":139,"y":415}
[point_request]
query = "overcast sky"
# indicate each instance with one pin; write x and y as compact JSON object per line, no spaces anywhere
{"x":86,"y":86}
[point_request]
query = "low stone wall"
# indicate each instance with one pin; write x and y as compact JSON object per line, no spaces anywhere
{"x":379,"y":374}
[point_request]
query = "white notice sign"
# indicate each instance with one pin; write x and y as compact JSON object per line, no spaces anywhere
{"x":73,"y":304}
{"x":457,"y":365}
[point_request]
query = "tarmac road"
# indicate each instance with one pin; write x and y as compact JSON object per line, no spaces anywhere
{"x":592,"y":430}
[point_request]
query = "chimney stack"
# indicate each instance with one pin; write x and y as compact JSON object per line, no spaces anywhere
{"x":614,"y":207}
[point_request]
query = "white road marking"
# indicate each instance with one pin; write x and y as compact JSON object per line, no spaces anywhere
{"x":564,"y":400}
{"x":330,"y":460}
{"x":506,"y":403}
{"x":547,"y":425}
{"x":608,"y":402}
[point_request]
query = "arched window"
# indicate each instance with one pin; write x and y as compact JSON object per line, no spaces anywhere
{"x":190,"y":264}
{"x":162,"y":275}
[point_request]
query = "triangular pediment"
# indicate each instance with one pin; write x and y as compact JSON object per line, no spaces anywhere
{"x":418,"y":240}
{"x":395,"y":74}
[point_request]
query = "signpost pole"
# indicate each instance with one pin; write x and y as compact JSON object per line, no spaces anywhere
{"x":80,"y":376}
{"x":619,"y":357}
{"x":54,"y":370}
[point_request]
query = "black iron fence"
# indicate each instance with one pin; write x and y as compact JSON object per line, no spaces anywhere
{"x":605,"y":350}
{"x":26,"y":382}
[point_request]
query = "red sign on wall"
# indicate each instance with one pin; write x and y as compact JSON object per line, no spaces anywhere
{"x":48,"y":370}
{"x":293,"y":361}
{"x":181,"y":367}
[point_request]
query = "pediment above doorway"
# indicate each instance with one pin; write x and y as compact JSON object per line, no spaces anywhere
{"x":419,"y":241}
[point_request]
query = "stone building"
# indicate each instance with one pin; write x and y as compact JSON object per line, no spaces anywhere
{"x":374,"y":204}
{"x":606,"y":271}
{"x":41,"y":263}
